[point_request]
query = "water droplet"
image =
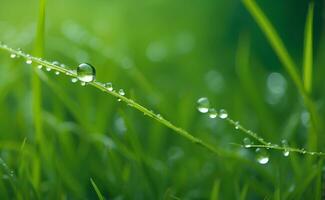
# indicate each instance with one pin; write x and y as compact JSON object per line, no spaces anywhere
{"x":223,"y":114}
{"x":55,"y":63}
{"x":109,"y":86}
{"x":69,"y":72}
{"x":48,"y":69}
{"x":29,"y":61}
{"x":62,"y":65}
{"x":40,"y":66}
{"x":86,"y":72}
{"x":57,"y":73}
{"x":74,"y":80}
{"x":203,"y":105}
{"x":82,"y":83}
{"x":262,"y":156}
{"x":13,"y":55}
{"x":237,"y":125}
{"x":213,"y":113}
{"x":285,"y":152}
{"x":121,"y":92}
{"x":247,"y":142}
{"x":119,"y":99}
{"x":303,"y":151}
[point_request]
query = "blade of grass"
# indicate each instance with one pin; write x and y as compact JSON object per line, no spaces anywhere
{"x":308,"y":49}
{"x":275,"y":41}
{"x":215,"y":190}
{"x":37,"y":94}
{"x":99,"y":194}
{"x":288,"y":63}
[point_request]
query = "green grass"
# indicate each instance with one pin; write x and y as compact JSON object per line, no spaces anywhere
{"x":61,"y":140}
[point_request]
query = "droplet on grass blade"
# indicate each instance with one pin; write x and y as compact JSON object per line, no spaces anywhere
{"x":109,"y":86}
{"x":247,"y":142}
{"x":262,"y":156}
{"x":74,"y":80}
{"x":86,"y":72}
{"x":121,"y":92}
{"x":285,"y":152}
{"x":13,"y":55}
{"x":213,"y":113}
{"x":203,"y":105}
{"x":223,"y":114}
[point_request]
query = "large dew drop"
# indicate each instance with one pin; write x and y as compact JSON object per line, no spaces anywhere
{"x":86,"y":72}
{"x":203,"y":105}
{"x":262,"y":156}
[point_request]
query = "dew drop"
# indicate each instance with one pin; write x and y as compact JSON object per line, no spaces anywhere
{"x":82,"y":83}
{"x":57,"y":73}
{"x":121,"y":92}
{"x":213,"y":113}
{"x":119,"y":99}
{"x":109,"y":86}
{"x":86,"y":72}
{"x":223,"y":114}
{"x":262,"y":156}
{"x":13,"y":55}
{"x":48,"y":69}
{"x":237,"y":125}
{"x":29,"y":61}
{"x":74,"y":80}
{"x":203,"y":105}
{"x":247,"y":142}
{"x":285,"y":152}
{"x":40,"y":66}
{"x":55,"y":63}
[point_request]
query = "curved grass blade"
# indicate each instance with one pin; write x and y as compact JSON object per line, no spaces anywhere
{"x":99,"y":194}
{"x":308,"y":49}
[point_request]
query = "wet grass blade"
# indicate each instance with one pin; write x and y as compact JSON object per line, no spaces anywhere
{"x":308,"y":49}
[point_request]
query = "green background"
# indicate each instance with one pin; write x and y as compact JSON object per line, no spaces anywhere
{"x":165,"y":54}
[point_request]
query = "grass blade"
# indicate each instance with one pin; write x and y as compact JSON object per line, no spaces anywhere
{"x":275,"y":41}
{"x":37,"y":93}
{"x":308,"y":49}
{"x":99,"y":194}
{"x":288,"y":63}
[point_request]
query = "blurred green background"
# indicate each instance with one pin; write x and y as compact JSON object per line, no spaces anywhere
{"x":165,"y":54}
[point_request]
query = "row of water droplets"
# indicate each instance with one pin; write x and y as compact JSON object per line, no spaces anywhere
{"x":85,"y":72}
{"x":262,"y":156}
